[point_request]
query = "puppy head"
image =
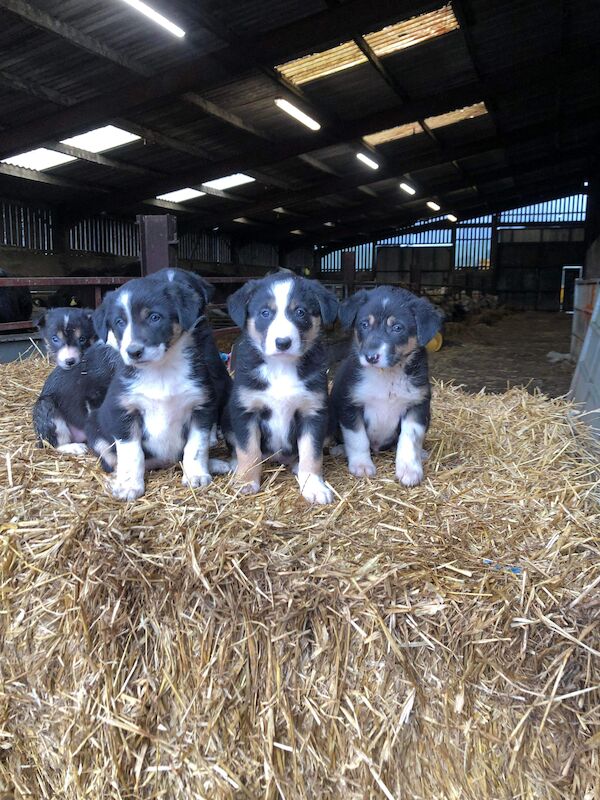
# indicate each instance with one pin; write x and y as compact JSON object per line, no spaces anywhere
{"x":389,"y":324}
{"x":67,"y":333}
{"x":146,"y":317}
{"x":187,"y":280}
{"x":283,"y":313}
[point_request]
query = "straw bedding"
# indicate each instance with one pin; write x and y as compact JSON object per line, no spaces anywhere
{"x":436,"y":642}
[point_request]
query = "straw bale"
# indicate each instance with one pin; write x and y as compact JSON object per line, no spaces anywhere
{"x":430,"y":643}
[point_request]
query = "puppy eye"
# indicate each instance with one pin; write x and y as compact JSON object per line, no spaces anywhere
{"x":154,"y":317}
{"x":364,"y":324}
{"x":55,"y":339}
{"x":82,"y":340}
{"x":398,"y":328}
{"x":266,"y":312}
{"x":300,"y":312}
{"x":120,"y":322}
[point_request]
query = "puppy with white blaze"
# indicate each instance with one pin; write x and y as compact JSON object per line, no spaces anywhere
{"x":79,"y":382}
{"x":171,"y":387}
{"x":278,"y":406}
{"x":381,"y":393}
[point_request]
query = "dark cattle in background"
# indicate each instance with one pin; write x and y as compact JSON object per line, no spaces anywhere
{"x":15,"y":302}
{"x":83,"y":296}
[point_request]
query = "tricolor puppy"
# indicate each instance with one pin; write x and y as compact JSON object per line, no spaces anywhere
{"x":170,"y":388}
{"x":278,"y":407}
{"x":381,"y":393}
{"x":67,"y":333}
{"x":77,"y":385}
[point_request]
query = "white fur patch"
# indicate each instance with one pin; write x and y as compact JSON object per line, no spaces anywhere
{"x":165,"y":395}
{"x":111,"y":341}
{"x":73,"y":449}
{"x":65,"y":353}
{"x":386,"y":395}
{"x":195,"y":458}
{"x":125,"y":302}
{"x":314,"y":489}
{"x":128,"y":483}
{"x":409,"y":466}
{"x":63,"y":432}
{"x":281,"y":327}
{"x":358,"y":452}
{"x":285,"y":395}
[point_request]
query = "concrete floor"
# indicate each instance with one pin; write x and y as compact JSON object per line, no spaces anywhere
{"x":511,"y":352}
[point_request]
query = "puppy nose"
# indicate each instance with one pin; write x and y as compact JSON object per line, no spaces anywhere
{"x":135,"y":351}
{"x":69,"y":362}
{"x":283,"y":344}
{"x":372,"y":358}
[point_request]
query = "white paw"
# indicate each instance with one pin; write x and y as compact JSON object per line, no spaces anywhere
{"x":315,"y":490}
{"x":252,"y":487}
{"x":218,"y":466}
{"x":409,"y":473}
{"x":362,"y":468}
{"x":73,"y":449}
{"x":127,"y":489}
{"x":195,"y":479}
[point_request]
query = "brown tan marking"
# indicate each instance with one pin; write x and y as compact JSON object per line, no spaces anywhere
{"x":308,"y":461}
{"x":249,"y":461}
{"x":253,"y":333}
{"x":408,"y":348}
{"x":391,"y":320}
{"x":371,"y":319}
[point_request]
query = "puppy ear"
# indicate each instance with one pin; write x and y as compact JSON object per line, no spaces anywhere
{"x":41,"y":323}
{"x":237,"y":303}
{"x":328,"y":303}
{"x":188,"y":308}
{"x":205,"y":289}
{"x":428,"y":318}
{"x":100,"y":316}
{"x":349,"y":308}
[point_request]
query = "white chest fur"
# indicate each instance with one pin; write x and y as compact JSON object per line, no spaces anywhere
{"x":165,"y":395}
{"x":285,"y":395}
{"x":386,"y":395}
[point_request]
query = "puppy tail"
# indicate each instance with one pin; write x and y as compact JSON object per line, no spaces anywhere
{"x":44,"y":414}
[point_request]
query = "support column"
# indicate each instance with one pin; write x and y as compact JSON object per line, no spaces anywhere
{"x":158,"y":241}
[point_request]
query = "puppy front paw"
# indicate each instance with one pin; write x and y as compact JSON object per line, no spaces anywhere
{"x":127,"y":489}
{"x":251,"y":487}
{"x":196,"y":480}
{"x":73,"y":449}
{"x":315,"y":490}
{"x":362,"y":467}
{"x":219,"y":466}
{"x":409,"y":473}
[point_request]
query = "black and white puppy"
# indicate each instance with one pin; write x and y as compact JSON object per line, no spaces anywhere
{"x":381,"y":393}
{"x":67,"y":333}
{"x":278,"y":407}
{"x":170,"y":388}
{"x":77,"y":385}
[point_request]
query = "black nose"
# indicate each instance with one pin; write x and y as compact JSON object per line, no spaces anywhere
{"x":283,"y":344}
{"x":69,"y":362}
{"x":372,"y":358}
{"x":135,"y":351}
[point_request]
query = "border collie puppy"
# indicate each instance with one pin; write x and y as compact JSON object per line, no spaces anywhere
{"x":77,"y":385}
{"x":168,"y":392}
{"x":67,"y":333}
{"x":278,"y":407}
{"x":381,"y":393}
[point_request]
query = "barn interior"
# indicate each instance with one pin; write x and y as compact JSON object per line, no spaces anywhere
{"x":449,"y":148}
{"x":438,"y":642}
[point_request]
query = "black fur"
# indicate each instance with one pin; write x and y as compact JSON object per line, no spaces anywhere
{"x":164,"y":318}
{"x":384,"y":380}
{"x":15,"y":302}
{"x":67,"y":332}
{"x":267,"y":366}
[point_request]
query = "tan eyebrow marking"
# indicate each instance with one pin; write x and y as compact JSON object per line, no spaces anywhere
{"x":391,"y":320}
{"x":371,"y":319}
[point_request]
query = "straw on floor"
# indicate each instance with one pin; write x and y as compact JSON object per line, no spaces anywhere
{"x":436,"y":642}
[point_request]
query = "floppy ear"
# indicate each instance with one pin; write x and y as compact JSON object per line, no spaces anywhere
{"x":237,"y":303}
{"x":428,"y":318}
{"x":349,"y":308}
{"x":100,"y":316}
{"x":41,"y":323}
{"x":328,"y":303}
{"x":186,"y":303}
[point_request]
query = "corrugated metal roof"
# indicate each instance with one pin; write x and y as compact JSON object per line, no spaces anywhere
{"x":390,"y":39}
